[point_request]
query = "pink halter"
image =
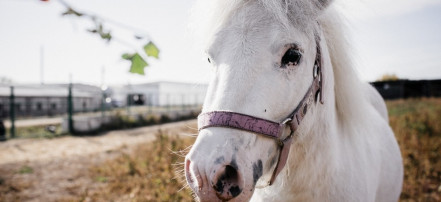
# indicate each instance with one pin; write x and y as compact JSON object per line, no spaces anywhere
{"x":269,"y":128}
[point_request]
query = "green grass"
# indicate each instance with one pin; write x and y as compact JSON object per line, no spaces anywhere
{"x":37,"y":132}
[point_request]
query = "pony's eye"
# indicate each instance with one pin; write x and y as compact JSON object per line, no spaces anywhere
{"x":209,"y":61}
{"x":291,"y":57}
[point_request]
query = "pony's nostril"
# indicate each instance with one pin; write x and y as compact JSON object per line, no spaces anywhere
{"x":227,"y":183}
{"x":192,"y":175}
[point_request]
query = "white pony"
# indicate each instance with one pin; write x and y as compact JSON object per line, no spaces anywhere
{"x":262,"y":54}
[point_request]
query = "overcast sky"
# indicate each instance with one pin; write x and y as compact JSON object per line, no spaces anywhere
{"x":395,"y":36}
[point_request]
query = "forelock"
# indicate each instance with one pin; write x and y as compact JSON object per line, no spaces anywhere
{"x":208,"y":16}
{"x":298,"y":13}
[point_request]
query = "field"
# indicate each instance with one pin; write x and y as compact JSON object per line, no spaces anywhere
{"x":151,"y":170}
{"x":417,"y":127}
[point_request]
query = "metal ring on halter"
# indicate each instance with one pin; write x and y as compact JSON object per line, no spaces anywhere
{"x":315,"y":71}
{"x":281,"y":141}
{"x":286,"y":121}
{"x":318,"y":95}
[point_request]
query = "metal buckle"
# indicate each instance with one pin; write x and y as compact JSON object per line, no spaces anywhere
{"x":286,"y":121}
{"x":280,"y":141}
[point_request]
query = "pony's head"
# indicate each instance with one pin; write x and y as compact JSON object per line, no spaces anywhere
{"x":262,"y":54}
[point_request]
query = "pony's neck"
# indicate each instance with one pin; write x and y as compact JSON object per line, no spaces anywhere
{"x":313,"y":155}
{"x":311,"y":160}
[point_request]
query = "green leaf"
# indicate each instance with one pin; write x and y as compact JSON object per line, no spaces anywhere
{"x":138,"y":64}
{"x":71,"y":11}
{"x":151,"y":50}
{"x":127,"y":56}
{"x":106,"y":36}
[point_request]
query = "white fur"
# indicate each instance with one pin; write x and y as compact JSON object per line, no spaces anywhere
{"x":344,"y":149}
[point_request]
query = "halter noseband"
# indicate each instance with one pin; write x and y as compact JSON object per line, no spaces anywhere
{"x":269,"y":128}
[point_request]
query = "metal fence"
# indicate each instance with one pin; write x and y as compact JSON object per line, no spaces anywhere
{"x":38,"y":106}
{"x":401,"y":89}
{"x":72,"y":108}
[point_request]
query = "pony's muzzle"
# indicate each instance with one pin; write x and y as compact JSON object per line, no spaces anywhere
{"x":227,"y":182}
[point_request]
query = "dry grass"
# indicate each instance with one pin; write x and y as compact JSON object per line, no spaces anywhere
{"x":152,"y":172}
{"x":417,"y":127}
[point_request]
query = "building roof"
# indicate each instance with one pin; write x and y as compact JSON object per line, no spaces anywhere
{"x":51,"y":90}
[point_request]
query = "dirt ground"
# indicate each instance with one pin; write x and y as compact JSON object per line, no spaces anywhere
{"x":56,"y":169}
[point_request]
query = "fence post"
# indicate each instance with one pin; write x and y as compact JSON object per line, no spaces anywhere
{"x":70,"y":110}
{"x":12,"y":111}
{"x":103,"y":100}
{"x":149,"y":104}
{"x":128,"y":104}
{"x":47,"y":105}
{"x":182,"y":102}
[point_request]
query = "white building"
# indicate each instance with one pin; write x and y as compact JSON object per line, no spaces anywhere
{"x":159,"y":94}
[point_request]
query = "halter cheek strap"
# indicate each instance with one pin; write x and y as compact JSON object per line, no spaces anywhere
{"x":269,"y":128}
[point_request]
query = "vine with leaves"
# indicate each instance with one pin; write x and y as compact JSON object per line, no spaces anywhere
{"x":138,"y":58}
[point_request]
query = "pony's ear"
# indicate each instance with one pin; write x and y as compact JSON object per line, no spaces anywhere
{"x":301,"y":12}
{"x":322,"y":4}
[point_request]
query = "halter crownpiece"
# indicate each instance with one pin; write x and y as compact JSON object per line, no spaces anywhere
{"x":269,"y":128}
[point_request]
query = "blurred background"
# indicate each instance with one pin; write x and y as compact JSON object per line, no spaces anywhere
{"x":98,"y":97}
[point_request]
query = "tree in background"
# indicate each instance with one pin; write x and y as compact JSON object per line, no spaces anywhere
{"x":138,"y":58}
{"x":388,"y":77}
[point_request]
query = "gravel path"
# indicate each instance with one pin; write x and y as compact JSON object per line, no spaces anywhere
{"x":59,"y":167}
